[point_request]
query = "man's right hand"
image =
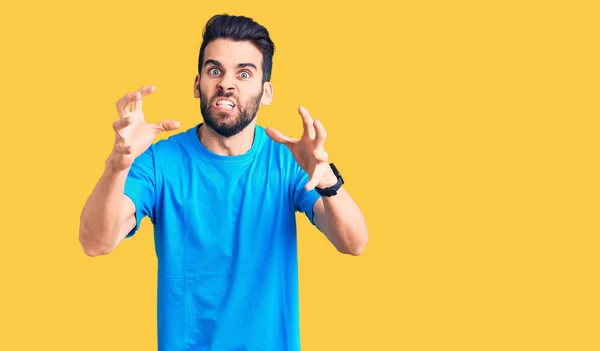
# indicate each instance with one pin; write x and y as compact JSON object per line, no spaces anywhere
{"x":133,"y":135}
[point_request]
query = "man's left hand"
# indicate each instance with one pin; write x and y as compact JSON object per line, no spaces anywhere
{"x":309,"y":151}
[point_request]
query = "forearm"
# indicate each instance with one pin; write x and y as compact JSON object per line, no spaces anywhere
{"x":344,"y":224}
{"x":101,"y":217}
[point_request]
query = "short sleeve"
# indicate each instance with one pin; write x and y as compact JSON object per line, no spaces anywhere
{"x":140,"y":187}
{"x":303,"y":200}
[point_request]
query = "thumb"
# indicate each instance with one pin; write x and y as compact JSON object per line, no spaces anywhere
{"x":167,"y":125}
{"x":311,"y":184}
{"x":278,"y":137}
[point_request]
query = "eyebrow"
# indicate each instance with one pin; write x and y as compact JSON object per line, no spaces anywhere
{"x":243,"y":65}
{"x":240,"y":65}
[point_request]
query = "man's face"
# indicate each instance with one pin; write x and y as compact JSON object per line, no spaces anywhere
{"x":230,"y":86}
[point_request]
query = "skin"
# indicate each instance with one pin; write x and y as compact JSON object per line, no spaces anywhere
{"x":231,"y":70}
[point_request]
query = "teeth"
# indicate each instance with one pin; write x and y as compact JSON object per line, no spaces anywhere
{"x":225,"y":104}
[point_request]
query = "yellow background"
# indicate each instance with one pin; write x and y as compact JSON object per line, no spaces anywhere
{"x":466,"y":131}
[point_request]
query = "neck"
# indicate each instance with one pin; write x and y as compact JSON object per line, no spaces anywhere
{"x":233,"y":146}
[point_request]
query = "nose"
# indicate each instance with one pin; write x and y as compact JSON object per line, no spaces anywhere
{"x":227,"y":83}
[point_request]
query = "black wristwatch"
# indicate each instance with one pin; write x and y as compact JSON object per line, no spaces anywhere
{"x":332,"y":190}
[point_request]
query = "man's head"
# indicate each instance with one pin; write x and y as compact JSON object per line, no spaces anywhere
{"x":234,"y":72}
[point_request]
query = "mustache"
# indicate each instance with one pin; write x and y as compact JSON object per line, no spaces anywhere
{"x":222,"y":94}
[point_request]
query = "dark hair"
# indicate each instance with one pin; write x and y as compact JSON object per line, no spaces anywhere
{"x":239,"y":28}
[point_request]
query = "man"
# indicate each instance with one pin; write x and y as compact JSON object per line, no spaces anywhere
{"x":222,"y":197}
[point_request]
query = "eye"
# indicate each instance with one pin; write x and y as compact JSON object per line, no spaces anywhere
{"x":245,"y":75}
{"x":214,"y":71}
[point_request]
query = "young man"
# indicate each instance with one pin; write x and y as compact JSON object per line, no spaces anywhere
{"x":222,"y":197}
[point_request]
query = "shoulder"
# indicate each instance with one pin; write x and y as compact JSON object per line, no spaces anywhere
{"x":178,"y":146}
{"x":164,"y":150}
{"x":271,"y":148}
{"x":175,"y":142}
{"x":278,"y":155}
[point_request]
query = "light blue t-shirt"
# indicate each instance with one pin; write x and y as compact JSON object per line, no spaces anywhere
{"x":225,"y":240}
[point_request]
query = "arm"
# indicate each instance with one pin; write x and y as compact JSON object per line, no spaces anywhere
{"x":108,"y":214}
{"x":341,"y":220}
{"x":338,"y":217}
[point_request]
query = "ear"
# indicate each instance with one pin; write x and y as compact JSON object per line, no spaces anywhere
{"x":267,"y":96}
{"x":197,"y":87}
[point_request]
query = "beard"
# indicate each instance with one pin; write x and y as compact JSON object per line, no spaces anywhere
{"x":229,"y":124}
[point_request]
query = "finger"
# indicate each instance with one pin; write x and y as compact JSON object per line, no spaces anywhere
{"x":307,"y":121}
{"x":124,"y":102}
{"x":321,"y":134}
{"x":167,"y":125}
{"x":279,"y":137}
{"x":320,"y":155}
{"x":144,"y":91}
{"x":120,"y":124}
{"x":311,"y":185}
{"x":147,"y":90}
{"x":314,"y":180}
{"x":123,"y":148}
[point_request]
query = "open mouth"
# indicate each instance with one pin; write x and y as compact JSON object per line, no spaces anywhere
{"x":224,"y":104}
